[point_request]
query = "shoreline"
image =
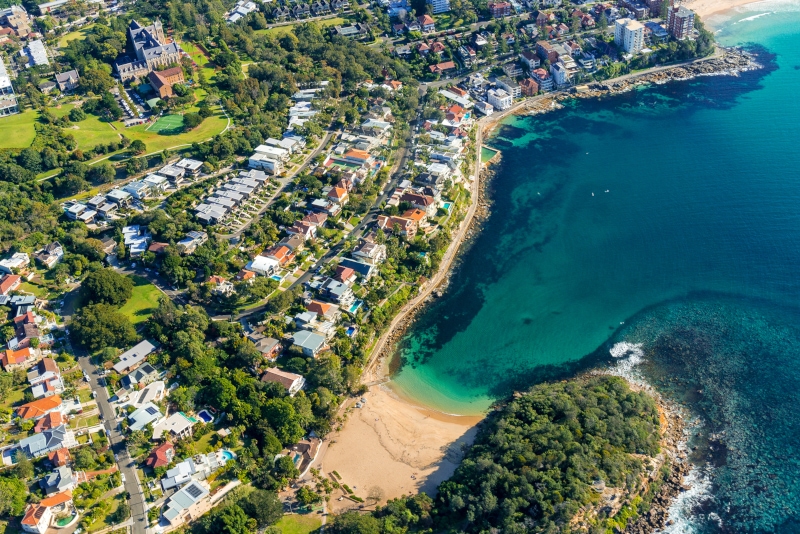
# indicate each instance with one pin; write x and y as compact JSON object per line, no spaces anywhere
{"x":707,"y":8}
{"x":405,"y":447}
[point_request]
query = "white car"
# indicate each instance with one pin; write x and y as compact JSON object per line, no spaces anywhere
{"x":123,"y":477}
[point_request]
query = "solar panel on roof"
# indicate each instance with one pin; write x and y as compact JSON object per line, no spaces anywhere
{"x":194,"y":491}
{"x":151,"y":410}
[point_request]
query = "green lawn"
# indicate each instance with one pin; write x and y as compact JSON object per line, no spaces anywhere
{"x":283,"y":30}
{"x":143,"y":302}
{"x":71,"y":36}
{"x":38,"y":291}
{"x":16,"y":131}
{"x":299,"y":524}
{"x":203,"y":445}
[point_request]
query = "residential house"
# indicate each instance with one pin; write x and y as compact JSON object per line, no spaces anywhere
{"x":47,"y":441}
{"x":143,"y":375}
{"x":60,"y":480}
{"x":38,"y":516}
{"x":157,"y":184}
{"x":317,"y":219}
{"x":119,"y":197}
{"x":427,"y":23}
{"x":152,"y":392}
{"x":310,"y":343}
{"x":49,"y":422}
{"x":301,"y":11}
{"x":161,"y":456}
{"x":281,"y":253}
{"x":16,"y":359}
{"x":221,"y":286}
{"x":423,"y":202}
{"x":399,"y":225}
{"x":176,"y":426}
{"x":265,"y":163}
{"x":50,"y":255}
{"x":143,"y":416}
{"x":270,"y":348}
{"x":338,"y":195}
{"x":345,"y":275}
{"x":290,"y":381}
{"x":45,"y":378}
{"x":186,"y":504}
{"x":274,"y":152}
{"x":131,"y":358}
{"x":485,"y":108}
{"x":264,"y":265}
{"x":138,"y":189}
{"x":59,"y":457}
{"x":441,"y":68}
{"x":303,"y":229}
{"x":17,"y":262}
{"x":190,"y":166}
{"x":25,"y":328}
{"x":560,"y":75}
{"x":9,"y":283}
{"x":192,"y":240}
{"x":371,"y":253}
{"x":174,"y":173}
{"x":39,"y":408}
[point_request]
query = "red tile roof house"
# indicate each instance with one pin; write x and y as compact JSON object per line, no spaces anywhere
{"x":338,"y":195}
{"x":345,"y":275}
{"x":9,"y":283}
{"x":39,"y":408}
{"x":59,"y":457}
{"x":442,"y":67}
{"x":38,"y":516}
{"x":14,"y":359}
{"x":26,"y":330}
{"x":161,"y":456}
{"x":423,"y":202}
{"x":427,"y":23}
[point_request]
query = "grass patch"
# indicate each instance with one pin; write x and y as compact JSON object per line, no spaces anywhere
{"x":280,"y":31}
{"x":203,"y":445}
{"x":72,"y":36}
{"x":14,"y":396}
{"x":143,"y":301}
{"x":299,"y":524}
{"x":84,"y":395}
{"x":34,"y":289}
{"x":16,"y":131}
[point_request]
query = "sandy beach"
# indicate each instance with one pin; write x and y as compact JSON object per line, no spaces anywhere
{"x":395,"y":446}
{"x":704,"y":8}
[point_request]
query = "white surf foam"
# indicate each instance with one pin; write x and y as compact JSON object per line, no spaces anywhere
{"x":754,"y":17}
{"x":682,"y":517}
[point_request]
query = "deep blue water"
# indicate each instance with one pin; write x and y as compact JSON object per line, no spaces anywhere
{"x":668,"y":216}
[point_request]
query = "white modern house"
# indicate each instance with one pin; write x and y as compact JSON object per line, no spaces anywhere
{"x":499,"y":99}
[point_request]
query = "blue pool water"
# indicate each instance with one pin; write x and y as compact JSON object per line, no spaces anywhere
{"x":276,"y":277}
{"x":447,"y":206}
{"x":356,"y":305}
{"x":228,"y":455}
{"x":205,"y":416}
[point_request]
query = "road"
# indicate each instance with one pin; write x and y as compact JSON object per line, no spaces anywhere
{"x":117,"y":441}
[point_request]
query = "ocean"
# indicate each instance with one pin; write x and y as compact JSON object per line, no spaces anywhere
{"x":669,"y":217}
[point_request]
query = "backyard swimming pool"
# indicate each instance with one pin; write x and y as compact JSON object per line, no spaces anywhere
{"x":205,"y":416}
{"x":227,"y":455}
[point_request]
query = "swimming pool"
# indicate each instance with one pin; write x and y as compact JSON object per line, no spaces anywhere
{"x":205,"y":416}
{"x":356,"y":305}
{"x":447,"y":205}
{"x":276,"y":277}
{"x":227,"y":455}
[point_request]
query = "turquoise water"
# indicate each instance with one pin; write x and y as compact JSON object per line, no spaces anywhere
{"x":610,"y":206}
{"x":667,"y":217}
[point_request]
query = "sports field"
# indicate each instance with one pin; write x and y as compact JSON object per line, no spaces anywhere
{"x":167,"y":125}
{"x":16,"y":131}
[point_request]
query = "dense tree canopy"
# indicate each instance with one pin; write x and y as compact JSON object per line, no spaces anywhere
{"x":97,"y":326}
{"x":107,"y":286}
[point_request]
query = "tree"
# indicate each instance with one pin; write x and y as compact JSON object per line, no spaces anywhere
{"x":137,"y":146}
{"x":85,"y":458}
{"x":13,"y":493}
{"x":23,"y":468}
{"x":191,"y":121}
{"x":263,"y":506}
{"x":30,"y":160}
{"x":101,"y":173}
{"x":306,"y":497}
{"x":107,"y":286}
{"x":354,"y":523}
{"x":122,"y":512}
{"x":77,"y":114}
{"x":97,"y":326}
